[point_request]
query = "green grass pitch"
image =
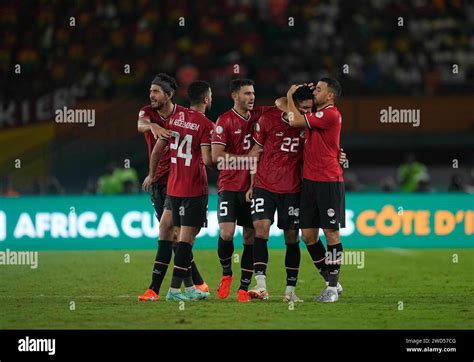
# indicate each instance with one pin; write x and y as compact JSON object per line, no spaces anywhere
{"x":436,"y":294}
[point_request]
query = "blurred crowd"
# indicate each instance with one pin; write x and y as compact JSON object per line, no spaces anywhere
{"x":411,"y":176}
{"x":114,"y":181}
{"x":112,"y":47}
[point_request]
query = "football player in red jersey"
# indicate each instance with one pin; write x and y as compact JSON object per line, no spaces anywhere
{"x":322,"y":195}
{"x":151,"y":122}
{"x":231,"y":144}
{"x":190,"y":153}
{"x":276,"y":186}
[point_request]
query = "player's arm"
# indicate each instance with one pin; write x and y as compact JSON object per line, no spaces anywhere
{"x":154,"y":160}
{"x":206,"y":155}
{"x":249,"y":193}
{"x":282,"y":104}
{"x":295,"y":118}
{"x":145,"y":125}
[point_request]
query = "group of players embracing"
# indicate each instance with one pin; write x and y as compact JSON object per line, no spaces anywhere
{"x":295,"y":145}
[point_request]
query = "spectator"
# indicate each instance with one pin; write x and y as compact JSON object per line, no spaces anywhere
{"x":7,"y":189}
{"x":127,"y":176}
{"x":109,"y":183}
{"x":351,"y":182}
{"x":411,"y":173}
{"x":456,"y":183}
{"x":388,"y":184}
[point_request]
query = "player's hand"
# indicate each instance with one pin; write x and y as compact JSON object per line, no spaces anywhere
{"x":342,"y":157}
{"x":147,"y":183}
{"x":255,"y":152}
{"x":159,"y":132}
{"x":249,"y":194}
{"x":292,"y":90}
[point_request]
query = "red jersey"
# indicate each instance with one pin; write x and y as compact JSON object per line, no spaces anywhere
{"x":162,"y":172}
{"x":321,"y":149}
{"x":189,"y":131}
{"x":279,"y":168}
{"x":234,"y":131}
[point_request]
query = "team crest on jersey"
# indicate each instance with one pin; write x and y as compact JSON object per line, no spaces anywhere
{"x":257,"y":127}
{"x":319,"y":114}
{"x":219,"y":130}
{"x":331,"y":212}
{"x":141,"y":114}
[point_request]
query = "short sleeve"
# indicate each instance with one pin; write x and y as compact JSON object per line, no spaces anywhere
{"x":207,"y":134}
{"x":143,"y":114}
{"x":260,"y":134}
{"x":321,"y":119}
{"x":221,"y":133}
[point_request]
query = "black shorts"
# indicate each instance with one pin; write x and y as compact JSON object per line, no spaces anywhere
{"x":232,"y":207}
{"x":189,"y":211}
{"x":322,"y":205}
{"x":159,"y":199}
{"x":265,"y":203}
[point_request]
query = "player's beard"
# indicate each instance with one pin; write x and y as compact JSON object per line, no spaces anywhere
{"x":245,"y":106}
{"x":159,"y":105}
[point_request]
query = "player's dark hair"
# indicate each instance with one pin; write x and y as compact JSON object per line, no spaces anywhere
{"x":236,"y":84}
{"x":303,"y":93}
{"x":197,"y":91}
{"x":166,"y":82}
{"x":334,"y":85}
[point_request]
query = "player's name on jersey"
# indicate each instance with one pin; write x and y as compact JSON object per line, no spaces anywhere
{"x":181,"y":123}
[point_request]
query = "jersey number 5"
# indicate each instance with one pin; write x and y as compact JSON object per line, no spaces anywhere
{"x":247,"y":142}
{"x":185,"y":146}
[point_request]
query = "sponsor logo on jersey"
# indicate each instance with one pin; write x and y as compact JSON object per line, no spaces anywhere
{"x":239,"y":131}
{"x":279,"y":134}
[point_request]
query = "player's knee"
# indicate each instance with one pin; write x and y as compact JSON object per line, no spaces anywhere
{"x":167,"y":231}
{"x":309,"y":238}
{"x":227,"y":234}
{"x":261,"y":230}
{"x":332,"y":236}
{"x":291,"y":236}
